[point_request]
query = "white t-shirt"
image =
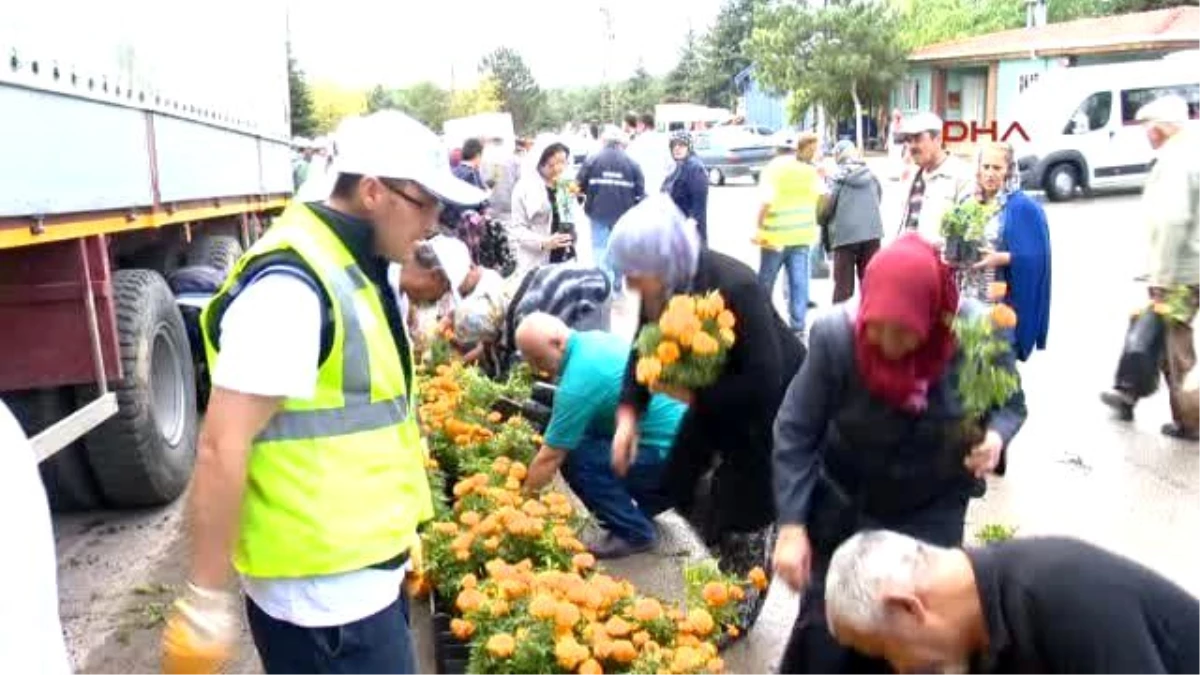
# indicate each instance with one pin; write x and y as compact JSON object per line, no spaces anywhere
{"x":270,"y":343}
{"x":652,"y":152}
{"x":31,"y":637}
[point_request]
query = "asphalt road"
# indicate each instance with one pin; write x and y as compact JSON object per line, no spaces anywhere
{"x":1072,"y":470}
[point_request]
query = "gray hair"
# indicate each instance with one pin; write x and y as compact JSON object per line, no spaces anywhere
{"x":864,"y":568}
{"x":655,"y":238}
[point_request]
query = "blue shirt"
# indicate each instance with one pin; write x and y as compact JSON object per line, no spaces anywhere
{"x":589,"y":388}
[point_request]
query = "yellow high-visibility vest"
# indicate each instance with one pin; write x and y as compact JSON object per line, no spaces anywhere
{"x":335,"y":483}
{"x":792,"y":216}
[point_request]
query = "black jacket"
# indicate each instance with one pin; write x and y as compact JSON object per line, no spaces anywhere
{"x":612,"y":182}
{"x":688,"y":187}
{"x":885,"y":466}
{"x":731,"y":420}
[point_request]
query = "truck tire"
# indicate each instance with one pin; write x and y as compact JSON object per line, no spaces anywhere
{"x":143,"y":456}
{"x":70,"y":485}
{"x":1062,"y":181}
{"x":219,"y":251}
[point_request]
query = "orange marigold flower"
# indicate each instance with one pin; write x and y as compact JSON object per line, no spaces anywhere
{"x":640,"y":638}
{"x":623,"y":651}
{"x":501,"y":645}
{"x":667,"y":352}
{"x":726,"y":319}
{"x":618,"y":627}
{"x":469,"y":600}
{"x":716,"y":665}
{"x":715,"y":594}
{"x":569,"y":653}
{"x":583,"y":561}
{"x":566,"y":615}
{"x":494,"y":417}
{"x":499,"y":607}
{"x":997,"y":290}
{"x":705,"y":345}
{"x":758,"y":578}
{"x":648,"y":370}
{"x":468,"y":581}
{"x":736,"y":593}
{"x":591,"y":667}
{"x":1004,"y":317}
{"x":469,"y":518}
{"x":728,"y":337}
{"x":701,"y":621}
{"x":461,"y":629}
{"x":682,"y":305}
{"x":518,"y":471}
{"x":647,"y":609}
{"x":543,"y":606}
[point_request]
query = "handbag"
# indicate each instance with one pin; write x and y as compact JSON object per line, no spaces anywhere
{"x":1137,"y":370}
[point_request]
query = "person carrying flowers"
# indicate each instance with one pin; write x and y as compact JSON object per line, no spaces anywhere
{"x":729,"y":418}
{"x":896,"y":415}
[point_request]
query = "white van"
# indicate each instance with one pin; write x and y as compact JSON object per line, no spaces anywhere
{"x":1082,"y":127}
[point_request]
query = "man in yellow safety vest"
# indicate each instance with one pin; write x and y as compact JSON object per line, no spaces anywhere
{"x":787,"y":223}
{"x":310,"y":470}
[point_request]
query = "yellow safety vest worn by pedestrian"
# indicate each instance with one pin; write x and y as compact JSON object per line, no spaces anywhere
{"x":792,"y":216}
{"x":335,"y":483}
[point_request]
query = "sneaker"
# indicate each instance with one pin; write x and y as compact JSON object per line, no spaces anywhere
{"x":1173,"y":430}
{"x":611,"y":547}
{"x":1121,"y":403}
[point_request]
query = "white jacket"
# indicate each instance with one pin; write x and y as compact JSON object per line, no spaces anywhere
{"x":532,"y":217}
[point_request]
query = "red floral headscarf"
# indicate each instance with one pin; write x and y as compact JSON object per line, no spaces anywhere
{"x":907,"y":283}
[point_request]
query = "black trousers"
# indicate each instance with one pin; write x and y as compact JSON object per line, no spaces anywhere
{"x":811,"y":648}
{"x":850,"y":262}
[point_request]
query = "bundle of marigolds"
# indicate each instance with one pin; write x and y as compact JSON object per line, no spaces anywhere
{"x":688,"y":346}
{"x":528,"y":598}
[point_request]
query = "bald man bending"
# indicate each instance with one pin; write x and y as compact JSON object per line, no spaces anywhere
{"x":590,"y":367}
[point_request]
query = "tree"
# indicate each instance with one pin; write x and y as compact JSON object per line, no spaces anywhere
{"x":380,"y":99}
{"x":519,"y":91}
{"x":724,"y":51}
{"x":304,"y":121}
{"x":482,"y":99}
{"x":683,"y":82}
{"x":333,"y":103}
{"x":837,"y":57}
{"x":425,"y":101}
{"x":640,"y":92}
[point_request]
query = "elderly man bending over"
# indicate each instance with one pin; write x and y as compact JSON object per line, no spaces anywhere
{"x":1039,"y":605}
{"x":590,"y":367}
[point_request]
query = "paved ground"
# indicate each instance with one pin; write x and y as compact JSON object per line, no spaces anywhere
{"x":1072,"y":469}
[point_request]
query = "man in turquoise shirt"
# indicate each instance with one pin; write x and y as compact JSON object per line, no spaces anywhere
{"x":590,"y":367}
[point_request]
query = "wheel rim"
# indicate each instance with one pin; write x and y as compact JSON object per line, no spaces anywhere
{"x":714,"y":175}
{"x":1064,"y":183}
{"x":166,"y":386}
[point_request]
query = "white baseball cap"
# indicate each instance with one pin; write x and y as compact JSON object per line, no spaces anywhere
{"x":390,"y":144}
{"x":921,"y":122}
{"x":454,"y":259}
{"x":1168,"y":109}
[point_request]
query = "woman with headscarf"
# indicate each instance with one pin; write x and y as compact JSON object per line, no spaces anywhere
{"x":1020,"y":253}
{"x":541,"y":219}
{"x":869,"y":436}
{"x":688,"y":183}
{"x":656,"y":249}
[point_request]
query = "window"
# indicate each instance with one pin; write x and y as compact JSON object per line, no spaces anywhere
{"x":1132,"y":100}
{"x":1092,"y":114}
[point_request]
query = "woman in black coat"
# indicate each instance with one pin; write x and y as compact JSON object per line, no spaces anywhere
{"x":728,"y":424}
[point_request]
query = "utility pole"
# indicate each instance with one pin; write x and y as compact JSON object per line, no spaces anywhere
{"x":609,"y":38}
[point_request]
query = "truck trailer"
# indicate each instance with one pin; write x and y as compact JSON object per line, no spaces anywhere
{"x":135,"y":138}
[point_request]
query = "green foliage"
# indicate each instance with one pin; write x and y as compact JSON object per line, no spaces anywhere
{"x":841,"y":57}
{"x":984,"y":383}
{"x":995,"y":532}
{"x":696,"y":576}
{"x":683,"y":82}
{"x":519,"y":91}
{"x":954,"y":19}
{"x":968,"y":220}
{"x":304,"y":120}
{"x":534,"y":652}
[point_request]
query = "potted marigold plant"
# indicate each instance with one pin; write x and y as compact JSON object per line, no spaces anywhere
{"x":963,"y":229}
{"x":984,"y":381}
{"x":688,"y":346}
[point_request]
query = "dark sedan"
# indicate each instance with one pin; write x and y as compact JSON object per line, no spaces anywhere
{"x":732,"y":152}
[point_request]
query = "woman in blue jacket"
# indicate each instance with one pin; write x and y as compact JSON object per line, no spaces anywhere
{"x":1021,"y":257}
{"x":688,"y":183}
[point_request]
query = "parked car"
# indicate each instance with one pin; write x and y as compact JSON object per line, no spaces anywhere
{"x":729,"y":152}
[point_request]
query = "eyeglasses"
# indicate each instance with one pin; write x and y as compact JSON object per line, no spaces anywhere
{"x":432,"y":204}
